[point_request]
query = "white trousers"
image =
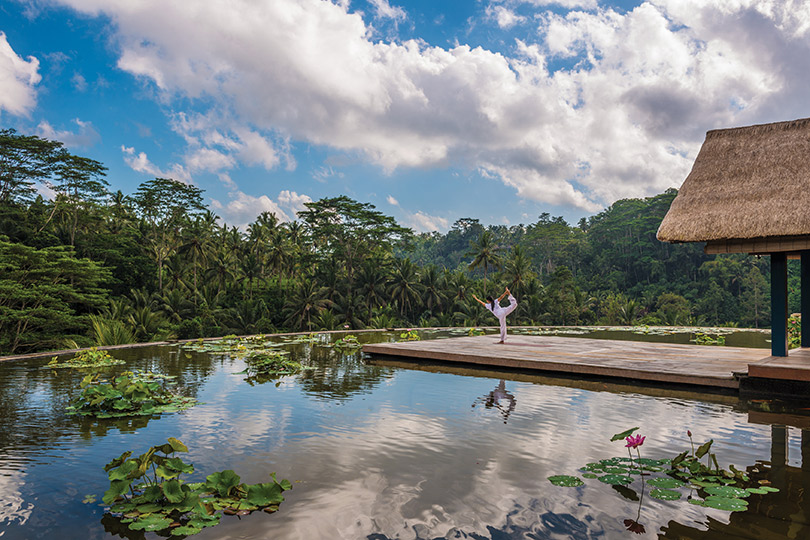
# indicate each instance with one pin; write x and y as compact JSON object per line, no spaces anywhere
{"x":501,"y":313}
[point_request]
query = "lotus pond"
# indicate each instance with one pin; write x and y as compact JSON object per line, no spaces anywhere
{"x":377,"y":449}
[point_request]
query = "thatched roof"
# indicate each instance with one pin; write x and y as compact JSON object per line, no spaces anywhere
{"x":747,"y":183}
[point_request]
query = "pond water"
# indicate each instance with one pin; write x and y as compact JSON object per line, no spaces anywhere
{"x":379,"y":450}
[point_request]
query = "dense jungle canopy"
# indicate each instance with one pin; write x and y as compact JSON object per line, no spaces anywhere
{"x":93,"y":266}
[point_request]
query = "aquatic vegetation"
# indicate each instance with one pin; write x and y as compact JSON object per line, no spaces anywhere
{"x":708,"y":484}
{"x":706,"y":339}
{"x":270,"y":363}
{"x":128,"y":394}
{"x":475,"y":332}
{"x":147,"y":493}
{"x":409,"y":335}
{"x":91,"y":358}
{"x":347,"y":342}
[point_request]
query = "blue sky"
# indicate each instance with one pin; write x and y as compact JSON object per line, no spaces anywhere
{"x":432,"y":111}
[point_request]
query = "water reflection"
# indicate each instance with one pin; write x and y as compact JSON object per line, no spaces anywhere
{"x":499,"y":399}
{"x":386,"y":449}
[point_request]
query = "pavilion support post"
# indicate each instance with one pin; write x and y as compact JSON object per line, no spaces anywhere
{"x":779,"y":304}
{"x":805,"y":308}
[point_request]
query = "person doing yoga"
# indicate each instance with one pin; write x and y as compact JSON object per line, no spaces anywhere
{"x":500,"y":312}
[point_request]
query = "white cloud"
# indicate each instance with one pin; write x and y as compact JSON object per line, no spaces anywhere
{"x":422,"y":222}
{"x":85,"y":137}
{"x":17,"y":80}
{"x":623,"y":117}
{"x":392,"y":201}
{"x":241,"y":209}
{"x":505,"y":17}
{"x":322,"y":174}
{"x":384,"y":10}
{"x":79,"y":82}
{"x":139,"y":162}
{"x":293,"y":201}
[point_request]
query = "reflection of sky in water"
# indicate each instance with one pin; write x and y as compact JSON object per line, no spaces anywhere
{"x":373,"y":452}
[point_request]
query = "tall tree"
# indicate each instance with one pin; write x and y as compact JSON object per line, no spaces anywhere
{"x":484,"y":252}
{"x":163,"y":204}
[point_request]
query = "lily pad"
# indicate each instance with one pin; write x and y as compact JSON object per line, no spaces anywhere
{"x":726,"y":503}
{"x":769,"y":489}
{"x":593,"y":475}
{"x":616,"y":470}
{"x":186,"y":530}
{"x":757,"y":491}
{"x":623,"y":434}
{"x":616,"y":479}
{"x":565,"y":480}
{"x":727,"y":492}
{"x":665,"y":483}
{"x":152,"y":522}
{"x":665,"y":494}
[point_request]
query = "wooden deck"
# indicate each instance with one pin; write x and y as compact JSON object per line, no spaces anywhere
{"x":718,"y":367}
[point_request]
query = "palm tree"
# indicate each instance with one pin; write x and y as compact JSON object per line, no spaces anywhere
{"x":485,"y":253}
{"x":195,"y":239}
{"x":372,"y":281}
{"x":518,"y":270}
{"x":405,"y":287}
{"x":433,"y":295}
{"x":306,"y":300}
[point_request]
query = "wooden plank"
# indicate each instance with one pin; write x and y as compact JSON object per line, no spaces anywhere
{"x":657,"y":362}
{"x":794,"y":367}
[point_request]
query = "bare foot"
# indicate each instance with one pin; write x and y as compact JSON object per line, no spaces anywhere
{"x":501,"y":342}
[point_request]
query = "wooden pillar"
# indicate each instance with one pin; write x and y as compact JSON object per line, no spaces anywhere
{"x":805,"y":308}
{"x":779,"y":304}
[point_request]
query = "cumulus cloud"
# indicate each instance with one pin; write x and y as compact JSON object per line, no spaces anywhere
{"x":623,"y":116}
{"x":84,"y":137}
{"x":18,"y":77}
{"x":139,"y":162}
{"x":242,"y":208}
{"x":384,"y":10}
{"x":392,"y":201}
{"x":504,"y":17}
{"x":422,"y":222}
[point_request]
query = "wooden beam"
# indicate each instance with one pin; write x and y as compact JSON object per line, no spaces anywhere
{"x":805,"y":294}
{"x":759,"y":246}
{"x":779,"y":305}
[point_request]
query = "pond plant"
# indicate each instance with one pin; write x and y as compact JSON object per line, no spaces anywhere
{"x":147,"y":493}
{"x":409,"y":335}
{"x":475,"y":332}
{"x":90,"y":358}
{"x":347,"y":343}
{"x":707,"y":484}
{"x":702,"y":338}
{"x":128,"y":394}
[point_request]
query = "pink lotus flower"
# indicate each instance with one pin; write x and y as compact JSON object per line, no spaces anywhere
{"x":634,"y":441}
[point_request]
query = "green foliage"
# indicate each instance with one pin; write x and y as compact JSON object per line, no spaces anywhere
{"x":147,"y":493}
{"x":475,"y":332}
{"x":128,"y":394}
{"x":795,"y":330}
{"x":347,"y":342}
{"x":44,"y":294}
{"x":719,"y":488}
{"x":91,"y":358}
{"x":702,"y":338}
{"x":409,"y":335}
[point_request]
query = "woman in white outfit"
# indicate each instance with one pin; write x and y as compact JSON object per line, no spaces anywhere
{"x":500,"y":312}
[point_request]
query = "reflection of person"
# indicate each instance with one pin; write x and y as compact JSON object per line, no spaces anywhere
{"x":497,"y":399}
{"x":500,"y":312}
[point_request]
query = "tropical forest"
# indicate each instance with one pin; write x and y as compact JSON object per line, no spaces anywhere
{"x":90,"y":265}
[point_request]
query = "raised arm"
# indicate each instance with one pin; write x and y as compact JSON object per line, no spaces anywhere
{"x":479,"y":301}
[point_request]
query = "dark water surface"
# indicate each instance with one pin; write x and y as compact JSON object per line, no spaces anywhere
{"x":383,"y":450}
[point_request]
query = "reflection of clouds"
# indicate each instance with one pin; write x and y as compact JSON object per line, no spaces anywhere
{"x":13,"y":508}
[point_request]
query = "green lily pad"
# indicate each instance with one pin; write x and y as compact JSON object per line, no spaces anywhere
{"x":697,"y":502}
{"x":757,"y":491}
{"x":623,"y":434}
{"x":769,"y":489}
{"x":727,"y":492}
{"x":152,"y":522}
{"x":565,"y":480}
{"x":616,"y":470}
{"x":705,"y":484}
{"x":593,"y":475}
{"x":616,"y":479}
{"x":665,"y":483}
{"x":665,"y":494}
{"x":186,"y":530}
{"x":726,"y":503}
